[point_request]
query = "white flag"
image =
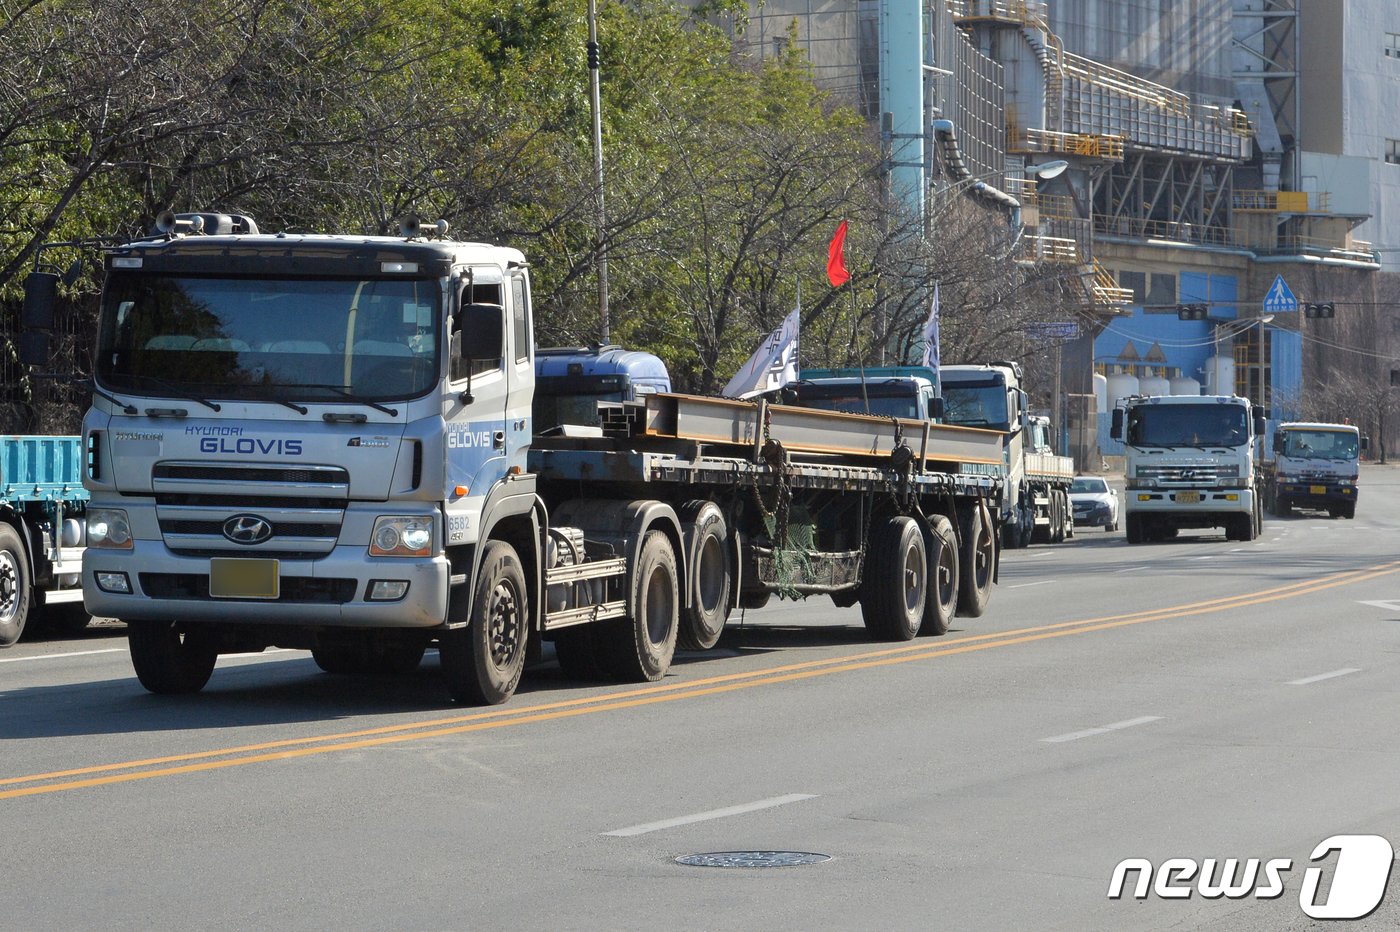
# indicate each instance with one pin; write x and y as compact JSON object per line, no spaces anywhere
{"x":931,"y":333}
{"x":773,"y":364}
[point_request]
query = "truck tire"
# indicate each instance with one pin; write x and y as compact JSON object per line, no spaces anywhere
{"x":707,"y":536}
{"x":16,"y":595}
{"x":896,"y":582}
{"x":941,"y":602}
{"x":639,"y":649}
{"x":1349,"y":511}
{"x":170,"y":661}
{"x":1132,"y":527}
{"x":977,"y":563}
{"x":482,"y":661}
{"x":1283,"y":507}
{"x":1057,"y":518}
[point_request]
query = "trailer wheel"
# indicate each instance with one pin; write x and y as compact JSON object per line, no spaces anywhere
{"x":896,"y":586}
{"x":941,"y":603}
{"x":979,"y":557}
{"x":16,"y":597}
{"x":168,"y":660}
{"x":703,"y":621}
{"x":482,"y":662}
{"x":639,"y":649}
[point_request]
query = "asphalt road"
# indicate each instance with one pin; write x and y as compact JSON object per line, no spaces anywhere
{"x":1193,"y":699}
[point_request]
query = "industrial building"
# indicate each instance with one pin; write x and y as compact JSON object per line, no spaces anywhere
{"x":1223,"y":153}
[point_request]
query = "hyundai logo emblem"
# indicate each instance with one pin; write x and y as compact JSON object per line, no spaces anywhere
{"x":247,"y":529}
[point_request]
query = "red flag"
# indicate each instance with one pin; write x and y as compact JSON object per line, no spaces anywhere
{"x":835,"y":261}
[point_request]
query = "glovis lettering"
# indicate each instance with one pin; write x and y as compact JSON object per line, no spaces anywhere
{"x":248,"y":445}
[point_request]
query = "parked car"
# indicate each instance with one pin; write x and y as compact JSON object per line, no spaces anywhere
{"x":1094,"y":503}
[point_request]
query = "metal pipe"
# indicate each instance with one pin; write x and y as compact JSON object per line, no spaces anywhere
{"x":600,"y":212}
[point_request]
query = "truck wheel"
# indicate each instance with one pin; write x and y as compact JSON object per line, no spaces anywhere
{"x":941,"y":602}
{"x":1057,"y":518}
{"x":756,"y":598}
{"x":1349,"y":510}
{"x":168,"y":660}
{"x":639,"y":649}
{"x":703,"y":622}
{"x":396,"y":659}
{"x":1283,"y":507}
{"x":977,"y":563}
{"x":1244,"y":527}
{"x":16,"y":597}
{"x":896,"y":581}
{"x":482,"y":662}
{"x":1133,"y":529}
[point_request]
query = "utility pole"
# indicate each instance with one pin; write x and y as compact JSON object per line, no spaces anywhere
{"x":600,"y":212}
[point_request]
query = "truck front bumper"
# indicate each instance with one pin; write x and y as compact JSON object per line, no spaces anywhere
{"x":1317,"y":493}
{"x":1189,"y":502}
{"x":333,"y":591}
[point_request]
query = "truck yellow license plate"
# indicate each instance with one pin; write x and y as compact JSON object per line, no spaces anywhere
{"x":1317,"y":490}
{"x":1188,"y":498}
{"x":238,"y":578}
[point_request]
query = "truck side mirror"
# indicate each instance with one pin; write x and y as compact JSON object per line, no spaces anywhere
{"x":1279,"y":442}
{"x":935,"y":409}
{"x":40,"y":297}
{"x":1116,"y":429}
{"x":1261,"y":423}
{"x":482,"y":330}
{"x":1365,"y":444}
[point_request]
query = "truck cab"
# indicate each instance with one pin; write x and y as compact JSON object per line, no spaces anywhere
{"x":1313,"y":465}
{"x":1190,"y":464}
{"x":886,"y":391}
{"x":570,"y":381}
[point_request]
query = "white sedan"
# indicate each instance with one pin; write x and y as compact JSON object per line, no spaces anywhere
{"x":1094,"y":503}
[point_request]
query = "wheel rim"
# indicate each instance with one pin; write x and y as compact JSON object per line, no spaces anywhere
{"x":9,"y":587}
{"x":913,"y":579}
{"x":947,"y":566}
{"x":710,"y":578}
{"x":504,"y":631}
{"x":984,"y":554}
{"x":660,"y":605}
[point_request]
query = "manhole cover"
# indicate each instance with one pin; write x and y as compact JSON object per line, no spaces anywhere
{"x":753,"y":859}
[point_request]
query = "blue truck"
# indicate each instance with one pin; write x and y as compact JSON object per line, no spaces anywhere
{"x":42,"y":531}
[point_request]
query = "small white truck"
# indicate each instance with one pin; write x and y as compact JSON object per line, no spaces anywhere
{"x":1190,"y":464}
{"x":1313,"y":465}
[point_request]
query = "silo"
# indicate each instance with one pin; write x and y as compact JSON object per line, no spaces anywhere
{"x":1154,"y":385}
{"x":1101,"y":393}
{"x":1121,"y":385}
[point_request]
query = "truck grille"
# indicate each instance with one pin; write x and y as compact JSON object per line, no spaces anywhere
{"x":301,"y":589}
{"x":1186,"y":475}
{"x":301,"y":508}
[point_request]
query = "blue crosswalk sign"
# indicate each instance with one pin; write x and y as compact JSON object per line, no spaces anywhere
{"x":1280,"y":299}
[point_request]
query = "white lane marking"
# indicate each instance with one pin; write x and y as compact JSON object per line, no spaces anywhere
{"x":1324,"y":676}
{"x":261,"y":653}
{"x":1104,"y":729}
{"x":76,"y":653}
{"x":1236,"y":550}
{"x":1039,"y":553}
{"x":1209,"y":556}
{"x":1392,"y":605}
{"x":1130,"y":569}
{"x":712,"y":814}
{"x":1043,"y":582}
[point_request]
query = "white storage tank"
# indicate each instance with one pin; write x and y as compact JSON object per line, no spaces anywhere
{"x":1220,"y":375}
{"x":1185,"y":385}
{"x":1101,"y":393}
{"x":1154,"y":385}
{"x":1120,"y":386}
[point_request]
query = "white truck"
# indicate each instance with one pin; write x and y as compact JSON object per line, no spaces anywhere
{"x":324,"y":443}
{"x":1035,"y":498}
{"x":1190,"y":464}
{"x":1313,"y":465}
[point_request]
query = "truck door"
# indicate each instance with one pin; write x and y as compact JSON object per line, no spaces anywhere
{"x":521,"y":372}
{"x":480,"y":363}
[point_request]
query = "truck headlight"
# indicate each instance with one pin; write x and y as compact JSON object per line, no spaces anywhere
{"x":108,"y":528}
{"x":401,"y":536}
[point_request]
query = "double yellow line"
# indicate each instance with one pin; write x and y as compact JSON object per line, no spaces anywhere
{"x":288,"y":749}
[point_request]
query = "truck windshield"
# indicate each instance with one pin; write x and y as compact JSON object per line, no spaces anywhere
{"x":1188,"y":425}
{"x":270,"y":339}
{"x":975,"y":404}
{"x":885,"y":400}
{"x":1321,"y":445}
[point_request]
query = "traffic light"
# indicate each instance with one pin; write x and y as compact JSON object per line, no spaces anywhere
{"x":1319,"y":310}
{"x":1191,"y":311}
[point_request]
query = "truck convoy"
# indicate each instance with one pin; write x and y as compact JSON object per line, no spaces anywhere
{"x":1190,"y":463}
{"x":1312,"y":466}
{"x":324,"y":442}
{"x":1035,"y":487}
{"x":1035,"y":498}
{"x":42,"y":525}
